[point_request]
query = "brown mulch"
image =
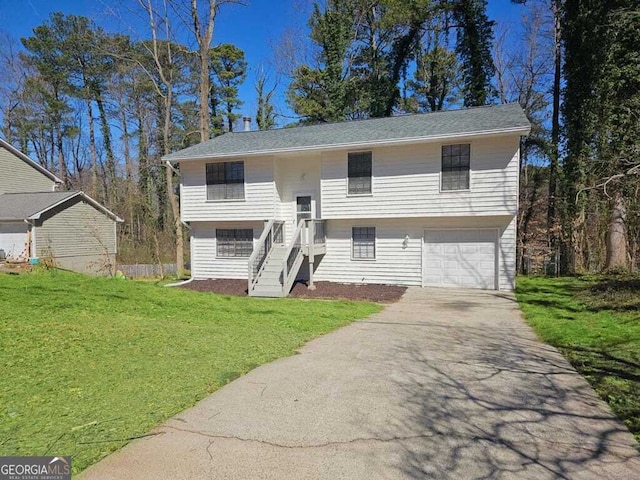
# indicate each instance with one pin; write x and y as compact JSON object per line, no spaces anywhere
{"x":323,"y":290}
{"x":221,"y":286}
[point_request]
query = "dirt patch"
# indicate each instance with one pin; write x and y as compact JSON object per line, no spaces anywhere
{"x":324,"y":290}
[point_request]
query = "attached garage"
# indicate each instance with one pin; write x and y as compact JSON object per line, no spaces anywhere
{"x":465,"y":258}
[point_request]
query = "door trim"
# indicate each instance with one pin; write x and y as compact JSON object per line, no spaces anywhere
{"x":314,"y":204}
{"x":496,"y":267}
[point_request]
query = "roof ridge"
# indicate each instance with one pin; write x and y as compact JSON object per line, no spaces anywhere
{"x":430,"y":126}
{"x":373,"y":119}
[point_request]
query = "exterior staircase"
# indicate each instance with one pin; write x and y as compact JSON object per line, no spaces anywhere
{"x":269,"y":281}
{"x":274,"y":265}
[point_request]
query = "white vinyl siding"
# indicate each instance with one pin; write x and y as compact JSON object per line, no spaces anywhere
{"x":507,"y":256}
{"x":396,"y":263}
{"x":399,"y":250}
{"x":259,"y":193}
{"x":407,"y":182}
{"x":205,"y":263}
{"x":297,"y":176}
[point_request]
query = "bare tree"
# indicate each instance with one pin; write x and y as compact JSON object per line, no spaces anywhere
{"x":199,"y":17}
{"x":162,"y":52}
{"x":524,"y":75}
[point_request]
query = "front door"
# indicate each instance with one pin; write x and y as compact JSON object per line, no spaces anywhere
{"x":305,"y":209}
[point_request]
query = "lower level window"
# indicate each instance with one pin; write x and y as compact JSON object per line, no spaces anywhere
{"x":363,"y":242}
{"x":234,"y":242}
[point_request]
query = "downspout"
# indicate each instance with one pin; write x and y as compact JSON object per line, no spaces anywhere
{"x":189,"y":280}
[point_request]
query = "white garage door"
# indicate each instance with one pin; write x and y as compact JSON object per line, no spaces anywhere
{"x":460,"y":258}
{"x":13,"y":237}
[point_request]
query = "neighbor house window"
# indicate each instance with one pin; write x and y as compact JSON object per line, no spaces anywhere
{"x":455,"y":166}
{"x":225,"y":180}
{"x":363,"y":242}
{"x":234,"y":242}
{"x":359,"y":171}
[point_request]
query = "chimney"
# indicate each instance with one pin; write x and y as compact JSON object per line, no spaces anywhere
{"x":247,"y":123}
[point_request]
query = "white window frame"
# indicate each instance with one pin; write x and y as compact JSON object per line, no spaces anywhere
{"x":470,"y":169}
{"x":375,"y":244}
{"x":370,"y":194}
{"x":235,"y":257}
{"x":244,"y":183}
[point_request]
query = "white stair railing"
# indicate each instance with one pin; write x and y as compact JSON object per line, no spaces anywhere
{"x":292,"y":259}
{"x":272,"y":234}
{"x":319,"y":234}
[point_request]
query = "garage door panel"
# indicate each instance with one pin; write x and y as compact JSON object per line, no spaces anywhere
{"x":460,"y":258}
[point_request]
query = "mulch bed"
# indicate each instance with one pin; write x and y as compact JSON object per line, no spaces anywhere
{"x":324,"y":290}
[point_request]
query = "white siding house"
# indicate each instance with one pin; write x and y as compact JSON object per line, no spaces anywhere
{"x":423,"y":200}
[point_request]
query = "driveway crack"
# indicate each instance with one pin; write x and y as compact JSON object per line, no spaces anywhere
{"x":289,"y":446}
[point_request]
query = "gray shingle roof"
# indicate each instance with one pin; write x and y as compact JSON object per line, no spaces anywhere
{"x":494,"y":118}
{"x":20,"y":206}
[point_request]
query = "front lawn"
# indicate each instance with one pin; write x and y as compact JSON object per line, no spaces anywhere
{"x":595,"y":323}
{"x":89,"y":363}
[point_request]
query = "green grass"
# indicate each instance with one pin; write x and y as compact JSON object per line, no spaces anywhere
{"x":595,"y":322}
{"x":87,"y":363}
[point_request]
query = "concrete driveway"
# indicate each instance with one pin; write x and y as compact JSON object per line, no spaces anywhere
{"x":443,"y":384}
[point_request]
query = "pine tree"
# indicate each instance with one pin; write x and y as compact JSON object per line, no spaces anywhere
{"x":474,"y":40}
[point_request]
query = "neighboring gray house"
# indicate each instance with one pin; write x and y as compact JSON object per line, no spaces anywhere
{"x":425,"y":200}
{"x":68,"y":229}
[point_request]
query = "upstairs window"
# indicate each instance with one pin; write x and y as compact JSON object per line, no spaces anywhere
{"x":225,"y":181}
{"x":234,"y":242}
{"x":363,"y":243}
{"x":359,"y":172}
{"x":455,"y":167}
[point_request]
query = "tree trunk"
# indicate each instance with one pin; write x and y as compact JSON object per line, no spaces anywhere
{"x":173,"y":200}
{"x":552,"y":220}
{"x":616,"y":241}
{"x":126,"y":146}
{"x":93,"y":153}
{"x":205,"y":122}
{"x":204,"y":37}
{"x":144,"y":177}
{"x":112,"y":194}
{"x":62,"y":163}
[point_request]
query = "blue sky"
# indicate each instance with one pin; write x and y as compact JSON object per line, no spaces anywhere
{"x":255,"y":28}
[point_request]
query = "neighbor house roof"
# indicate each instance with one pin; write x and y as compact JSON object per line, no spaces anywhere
{"x":30,"y":206}
{"x":495,"y":119}
{"x":26,"y":159}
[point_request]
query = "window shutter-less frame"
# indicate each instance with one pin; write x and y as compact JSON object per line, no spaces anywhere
{"x":234,"y":242}
{"x":456,"y":161}
{"x":225,"y":181}
{"x":363,"y":243}
{"x":359,"y":173}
